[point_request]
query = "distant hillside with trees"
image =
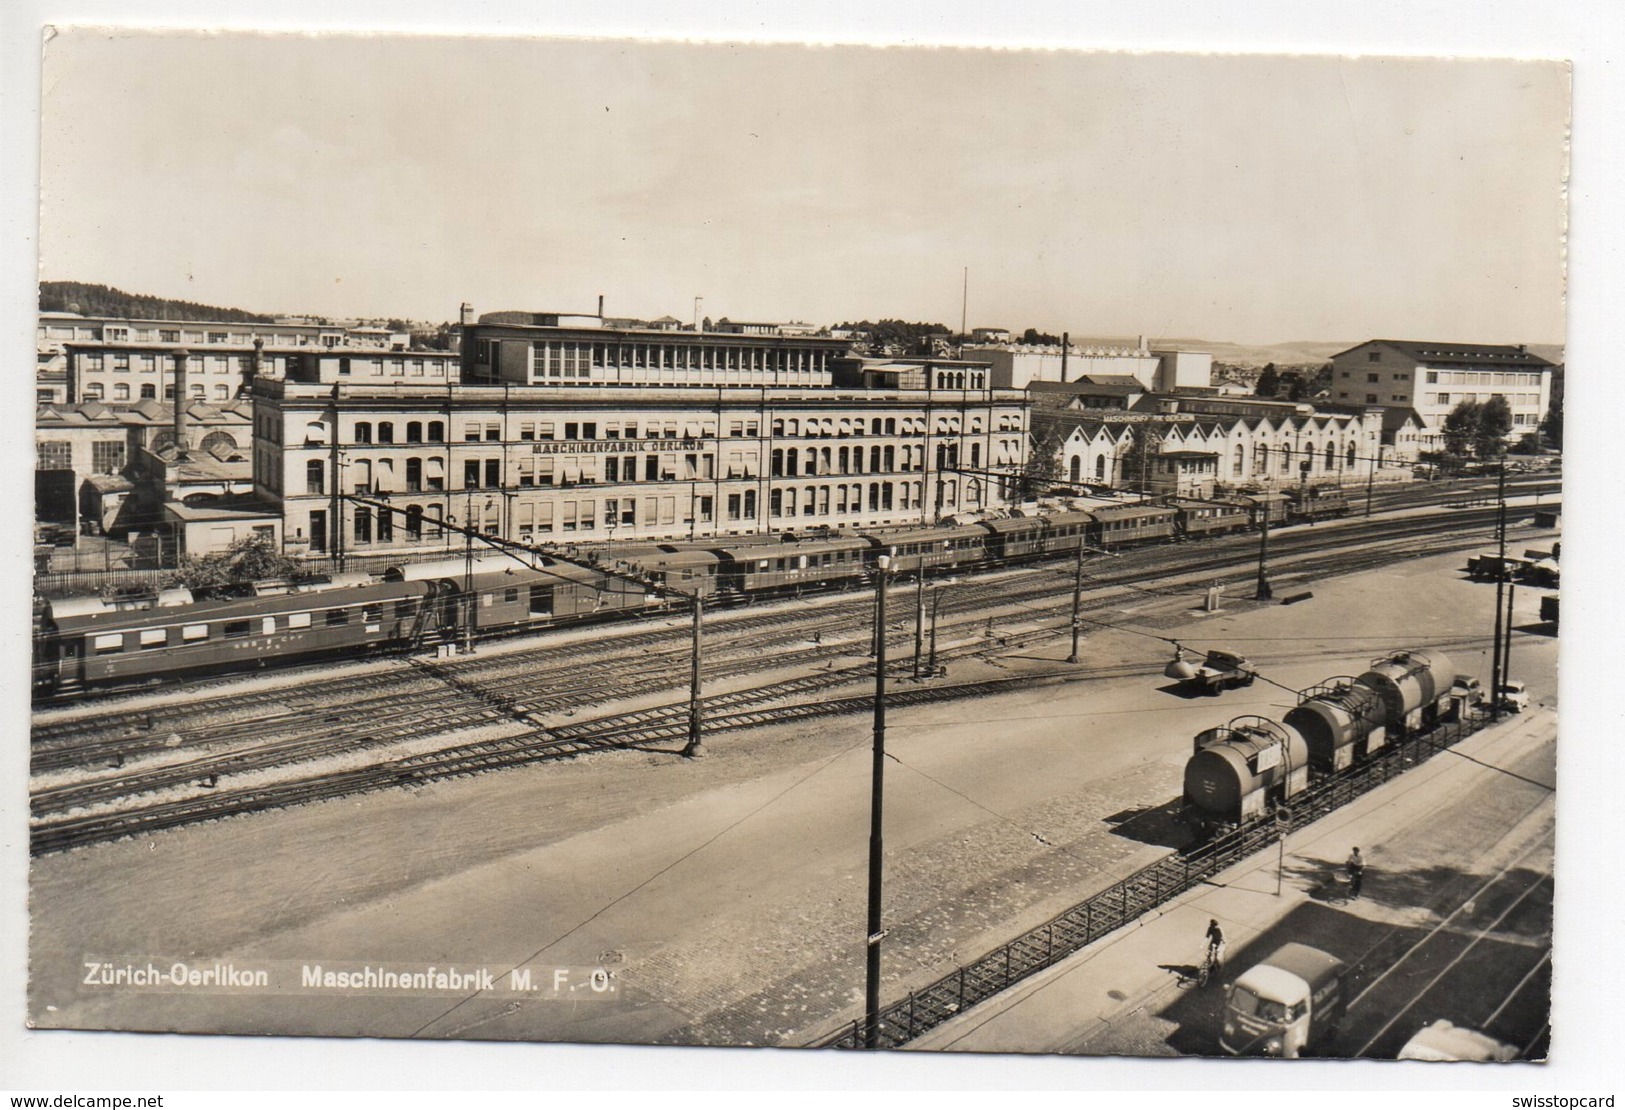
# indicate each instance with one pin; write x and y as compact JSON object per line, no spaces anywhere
{"x":103,"y":300}
{"x":897,"y":337}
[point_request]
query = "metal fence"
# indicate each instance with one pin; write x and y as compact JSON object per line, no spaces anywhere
{"x":1124,"y":901}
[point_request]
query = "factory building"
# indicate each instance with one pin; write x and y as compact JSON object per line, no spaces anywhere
{"x":569,"y":432}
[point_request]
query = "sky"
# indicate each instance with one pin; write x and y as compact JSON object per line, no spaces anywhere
{"x":1244,"y":198}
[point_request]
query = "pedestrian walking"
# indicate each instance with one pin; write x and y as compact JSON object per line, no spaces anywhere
{"x":1356,"y":870}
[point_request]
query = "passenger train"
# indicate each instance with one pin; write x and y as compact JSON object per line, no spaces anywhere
{"x":88,"y":644}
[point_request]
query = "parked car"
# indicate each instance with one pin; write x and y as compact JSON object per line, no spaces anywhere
{"x":1514,"y":695}
{"x":1444,"y":1040}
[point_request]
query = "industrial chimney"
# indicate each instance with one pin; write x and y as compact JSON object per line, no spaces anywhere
{"x":181,"y":400}
{"x":465,"y":314}
{"x":600,"y":306}
{"x":1066,"y":345}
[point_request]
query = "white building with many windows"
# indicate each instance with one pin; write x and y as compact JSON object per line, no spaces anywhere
{"x":1430,"y":379}
{"x":576,"y":434}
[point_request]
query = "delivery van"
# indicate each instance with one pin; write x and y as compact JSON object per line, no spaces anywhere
{"x":1290,"y":1002}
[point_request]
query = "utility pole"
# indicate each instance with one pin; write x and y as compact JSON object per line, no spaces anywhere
{"x":692,"y":748}
{"x":936,"y":604}
{"x":919,"y":621}
{"x":871,"y":983}
{"x":1500,"y":582}
{"x":1370,"y":481}
{"x":469,"y":601}
{"x":1263,"y":592}
{"x":1077,"y":604}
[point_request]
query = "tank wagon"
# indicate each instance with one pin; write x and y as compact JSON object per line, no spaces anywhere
{"x":1239,"y":771}
{"x":1342,"y":722}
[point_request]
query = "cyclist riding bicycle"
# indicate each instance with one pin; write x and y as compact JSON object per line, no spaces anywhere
{"x":1215,"y":948}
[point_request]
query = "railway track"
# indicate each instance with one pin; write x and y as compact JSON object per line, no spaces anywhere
{"x":375,"y":722}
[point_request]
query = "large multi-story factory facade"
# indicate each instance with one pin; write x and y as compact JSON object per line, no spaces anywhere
{"x":566,"y":433}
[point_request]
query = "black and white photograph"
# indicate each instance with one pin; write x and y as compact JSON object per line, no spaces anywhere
{"x":923,"y":549}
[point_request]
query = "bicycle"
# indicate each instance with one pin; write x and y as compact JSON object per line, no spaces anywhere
{"x":1212,"y":964}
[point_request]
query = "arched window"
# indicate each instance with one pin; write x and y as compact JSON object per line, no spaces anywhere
{"x":222,"y":440}
{"x":414,"y":520}
{"x":386,"y":526}
{"x":1331,"y":455}
{"x":414,"y":431}
{"x":363,"y":431}
{"x":1261,"y":459}
{"x":386,"y":432}
{"x":1241,"y":459}
{"x":1076,"y":471}
{"x":1286,"y":458}
{"x":1350,"y":458}
{"x":363,"y":524}
{"x":414,"y":478}
{"x":437,"y":432}
{"x":315,"y":476}
{"x":149,"y":393}
{"x":1100,"y":468}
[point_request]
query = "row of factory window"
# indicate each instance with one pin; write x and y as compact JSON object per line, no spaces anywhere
{"x":561,"y":360}
{"x":123,"y":362}
{"x":120,"y":334}
{"x":429,"y":474}
{"x":1481,"y":377}
{"x":574,"y":431}
{"x":106,"y":456}
{"x":530,"y":519}
{"x":1516,"y":400}
{"x":97,"y":391}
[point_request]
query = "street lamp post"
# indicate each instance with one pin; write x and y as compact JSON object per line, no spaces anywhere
{"x":871,"y":991}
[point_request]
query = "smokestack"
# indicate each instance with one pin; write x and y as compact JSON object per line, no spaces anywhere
{"x":181,"y":401}
{"x":1141,"y":347}
{"x":1066,"y":343}
{"x":465,"y":314}
{"x":256,"y":364}
{"x":600,"y":306}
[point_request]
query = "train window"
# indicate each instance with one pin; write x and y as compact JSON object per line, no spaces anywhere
{"x":372,"y":614}
{"x":405,"y":607}
{"x":298,"y":620}
{"x":510,"y":595}
{"x":337,"y":617}
{"x":267,"y":626}
{"x":108,"y":643}
{"x":193,"y":632}
{"x":236,"y":630}
{"x":154,"y":638}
